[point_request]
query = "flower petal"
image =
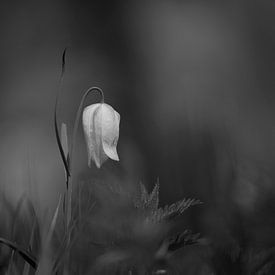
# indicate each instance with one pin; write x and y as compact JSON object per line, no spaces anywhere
{"x":92,"y":131}
{"x":101,"y":130}
{"x":110,"y":131}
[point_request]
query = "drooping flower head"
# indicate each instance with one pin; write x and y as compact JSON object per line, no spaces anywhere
{"x":101,"y":130}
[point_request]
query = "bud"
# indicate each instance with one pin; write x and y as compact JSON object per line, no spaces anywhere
{"x":101,"y":130}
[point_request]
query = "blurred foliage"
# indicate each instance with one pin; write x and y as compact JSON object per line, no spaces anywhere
{"x":121,"y":232}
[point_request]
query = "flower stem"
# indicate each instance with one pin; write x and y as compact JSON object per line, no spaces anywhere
{"x":68,"y":158}
{"x":76,"y":123}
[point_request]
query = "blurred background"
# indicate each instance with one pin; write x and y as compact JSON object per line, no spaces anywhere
{"x":192,"y":80}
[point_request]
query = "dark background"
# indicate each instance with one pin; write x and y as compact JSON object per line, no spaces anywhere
{"x":192,"y":80}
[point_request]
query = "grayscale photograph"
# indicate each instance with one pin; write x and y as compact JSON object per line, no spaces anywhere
{"x":137,"y":137}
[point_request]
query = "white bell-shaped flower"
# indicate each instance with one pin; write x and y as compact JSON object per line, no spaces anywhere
{"x":101,"y":130}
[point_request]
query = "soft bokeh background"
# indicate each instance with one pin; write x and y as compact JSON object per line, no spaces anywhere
{"x":192,"y":80}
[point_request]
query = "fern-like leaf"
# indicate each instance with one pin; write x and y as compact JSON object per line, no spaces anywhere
{"x":172,"y":211}
{"x":142,"y":197}
{"x":182,"y":239}
{"x":153,"y":201}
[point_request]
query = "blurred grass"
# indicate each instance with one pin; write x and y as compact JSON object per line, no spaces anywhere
{"x":110,"y":230}
{"x":117,"y":228}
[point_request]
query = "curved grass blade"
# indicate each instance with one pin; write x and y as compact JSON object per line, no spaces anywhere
{"x":22,"y":252}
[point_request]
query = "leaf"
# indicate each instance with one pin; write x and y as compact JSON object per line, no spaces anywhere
{"x":176,"y":209}
{"x":54,"y":219}
{"x":64,"y":139}
{"x":149,"y":202}
{"x":153,"y":201}
{"x":142,"y":197}
{"x":63,"y":62}
{"x":65,"y":146}
{"x":62,"y":153}
{"x":183,"y":239}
